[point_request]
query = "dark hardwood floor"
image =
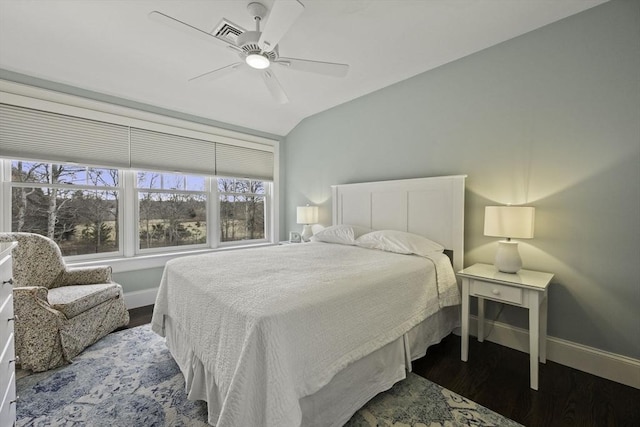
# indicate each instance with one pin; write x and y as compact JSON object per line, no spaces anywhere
{"x":497,"y":377}
{"x":140,"y":316}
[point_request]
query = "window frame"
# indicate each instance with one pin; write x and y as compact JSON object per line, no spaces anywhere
{"x":209,"y":242}
{"x":267,"y":210}
{"x":7,"y":164}
{"x":129,"y":214}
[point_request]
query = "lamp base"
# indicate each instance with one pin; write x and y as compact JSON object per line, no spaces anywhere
{"x":507,"y":257}
{"x":306,"y":232}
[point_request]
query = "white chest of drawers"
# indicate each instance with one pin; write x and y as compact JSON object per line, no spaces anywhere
{"x":7,"y":353}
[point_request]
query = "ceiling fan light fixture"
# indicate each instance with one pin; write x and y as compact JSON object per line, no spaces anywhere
{"x":257,"y":61}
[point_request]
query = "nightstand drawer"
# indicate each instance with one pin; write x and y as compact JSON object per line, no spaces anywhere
{"x":496,"y":292}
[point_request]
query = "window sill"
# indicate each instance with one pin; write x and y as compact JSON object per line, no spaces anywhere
{"x":143,"y":262}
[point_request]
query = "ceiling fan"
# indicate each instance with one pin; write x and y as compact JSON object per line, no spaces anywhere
{"x":257,"y":49}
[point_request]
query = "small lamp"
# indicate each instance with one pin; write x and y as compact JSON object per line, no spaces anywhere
{"x":307,"y":215}
{"x":509,"y":221}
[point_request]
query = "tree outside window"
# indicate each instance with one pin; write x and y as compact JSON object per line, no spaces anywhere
{"x":172,"y":210}
{"x":76,"y":206}
{"x":242,"y":209}
{"x":80,"y":207}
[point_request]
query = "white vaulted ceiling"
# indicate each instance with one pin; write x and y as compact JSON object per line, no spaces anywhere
{"x":112,"y":47}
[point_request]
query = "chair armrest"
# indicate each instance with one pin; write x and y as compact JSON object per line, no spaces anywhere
{"x":30,"y":303}
{"x":85,"y":276}
{"x":35,"y":292}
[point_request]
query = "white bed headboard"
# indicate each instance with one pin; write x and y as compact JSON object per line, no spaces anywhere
{"x":431,"y":207}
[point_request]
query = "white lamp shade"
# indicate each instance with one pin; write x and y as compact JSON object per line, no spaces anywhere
{"x":307,"y":215}
{"x":509,"y":221}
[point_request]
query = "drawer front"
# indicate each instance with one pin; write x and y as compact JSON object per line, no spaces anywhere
{"x":6,"y":325}
{"x":6,"y":288}
{"x":8,"y":405}
{"x":496,"y":292}
{"x":7,"y":364}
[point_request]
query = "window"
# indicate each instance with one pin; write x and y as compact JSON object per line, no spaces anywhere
{"x":242,"y":209}
{"x":106,"y":181}
{"x":84,"y":209}
{"x":172,"y":210}
{"x":77,"y":206}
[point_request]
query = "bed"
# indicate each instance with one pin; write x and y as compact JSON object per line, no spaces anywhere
{"x":306,"y":334}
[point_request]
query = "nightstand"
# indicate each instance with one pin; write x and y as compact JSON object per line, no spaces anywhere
{"x":525,"y":288}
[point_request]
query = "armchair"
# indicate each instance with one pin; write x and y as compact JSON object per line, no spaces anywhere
{"x":59,"y":310}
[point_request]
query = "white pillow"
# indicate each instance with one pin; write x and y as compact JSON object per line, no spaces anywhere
{"x":399,"y":242}
{"x":343,"y":234}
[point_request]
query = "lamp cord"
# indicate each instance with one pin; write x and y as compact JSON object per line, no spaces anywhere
{"x":495,"y":319}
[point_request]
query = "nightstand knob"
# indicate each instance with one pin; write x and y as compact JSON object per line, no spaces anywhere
{"x":495,"y":292}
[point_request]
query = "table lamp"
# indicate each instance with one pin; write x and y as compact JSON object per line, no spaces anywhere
{"x":510,"y":222}
{"x":307,"y":215}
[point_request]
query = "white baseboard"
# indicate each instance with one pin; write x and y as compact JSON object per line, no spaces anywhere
{"x":141,"y":298}
{"x":614,"y":367}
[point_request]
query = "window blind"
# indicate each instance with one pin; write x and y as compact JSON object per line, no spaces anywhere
{"x":165,"y":152}
{"x":30,"y":134}
{"x":241,"y":162}
{"x":38,"y":135}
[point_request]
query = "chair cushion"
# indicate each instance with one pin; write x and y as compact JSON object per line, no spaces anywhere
{"x":76,"y":299}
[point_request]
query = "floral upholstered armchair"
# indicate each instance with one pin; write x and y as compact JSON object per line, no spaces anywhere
{"x":59,"y":310}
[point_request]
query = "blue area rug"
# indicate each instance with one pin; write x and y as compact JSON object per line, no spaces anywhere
{"x":130,"y":379}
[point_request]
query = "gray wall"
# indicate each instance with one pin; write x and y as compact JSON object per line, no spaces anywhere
{"x":139,"y":280}
{"x":550,"y":119}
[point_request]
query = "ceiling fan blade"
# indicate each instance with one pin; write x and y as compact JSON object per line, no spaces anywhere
{"x":184,"y":27}
{"x":282,"y":16}
{"x":326,"y":68}
{"x":274,"y":87}
{"x":220,"y":72}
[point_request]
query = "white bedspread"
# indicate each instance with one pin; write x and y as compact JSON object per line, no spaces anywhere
{"x":276,"y":324}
